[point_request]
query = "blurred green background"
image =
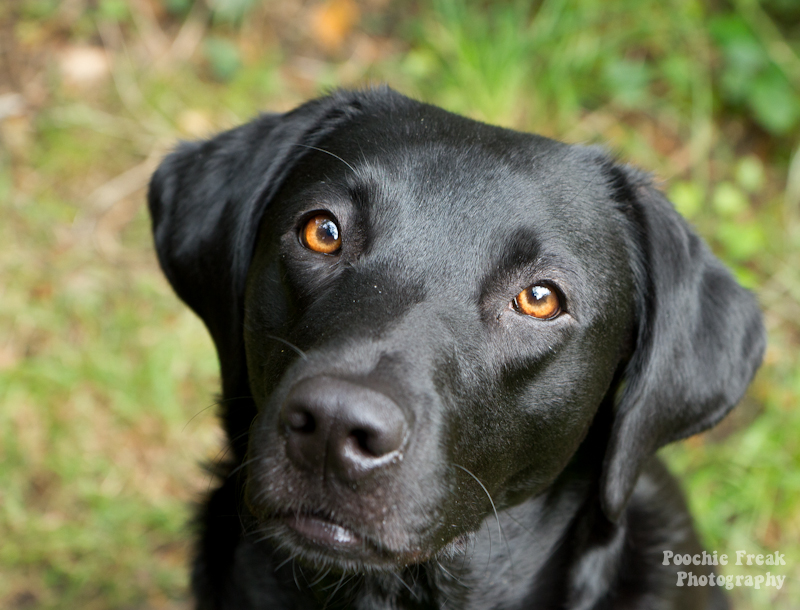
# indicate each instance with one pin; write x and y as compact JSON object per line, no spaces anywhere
{"x":107,"y":382}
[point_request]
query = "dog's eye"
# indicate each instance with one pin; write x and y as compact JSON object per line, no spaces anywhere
{"x":539,"y":301}
{"x":321,"y":234}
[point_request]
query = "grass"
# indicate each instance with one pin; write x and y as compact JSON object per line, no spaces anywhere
{"x":105,"y":378}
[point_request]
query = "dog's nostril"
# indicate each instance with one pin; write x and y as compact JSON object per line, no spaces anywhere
{"x":361,"y":439}
{"x":301,"y":421}
{"x":376,"y":441}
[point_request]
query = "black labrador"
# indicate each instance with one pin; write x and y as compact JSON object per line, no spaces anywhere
{"x":448,"y":353}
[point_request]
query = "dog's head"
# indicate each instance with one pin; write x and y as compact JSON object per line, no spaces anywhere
{"x":429,"y":313}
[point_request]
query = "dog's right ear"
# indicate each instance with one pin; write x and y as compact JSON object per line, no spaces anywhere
{"x":207,"y":199}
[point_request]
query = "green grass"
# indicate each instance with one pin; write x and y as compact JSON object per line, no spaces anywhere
{"x":102,"y":374}
{"x":105,"y":378}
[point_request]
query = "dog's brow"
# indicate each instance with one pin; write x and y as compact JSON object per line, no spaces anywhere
{"x":327,"y":152}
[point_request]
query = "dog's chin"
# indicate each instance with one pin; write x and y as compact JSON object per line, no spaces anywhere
{"x":320,"y":541}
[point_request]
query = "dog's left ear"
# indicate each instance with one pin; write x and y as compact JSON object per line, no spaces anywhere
{"x":207,"y":199}
{"x":700,"y":338}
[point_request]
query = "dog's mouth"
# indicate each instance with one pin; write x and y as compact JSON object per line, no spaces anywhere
{"x":322,"y":540}
{"x":321,"y":531}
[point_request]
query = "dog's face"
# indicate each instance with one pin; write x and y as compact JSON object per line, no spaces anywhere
{"x":429,"y":312}
{"x":468,"y":314}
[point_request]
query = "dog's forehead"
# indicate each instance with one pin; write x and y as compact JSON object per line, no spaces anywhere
{"x":471,"y":186}
{"x":431,"y":184}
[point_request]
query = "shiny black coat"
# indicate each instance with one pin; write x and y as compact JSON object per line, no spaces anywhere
{"x":402,"y":434}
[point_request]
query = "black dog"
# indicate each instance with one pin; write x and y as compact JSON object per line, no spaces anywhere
{"x":449,"y":352}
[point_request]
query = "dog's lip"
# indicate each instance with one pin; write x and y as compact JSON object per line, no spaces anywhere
{"x":318,"y":531}
{"x":321,"y":530}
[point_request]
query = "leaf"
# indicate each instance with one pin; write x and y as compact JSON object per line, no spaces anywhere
{"x":687,"y":197}
{"x":750,"y":174}
{"x":729,"y":201}
{"x":178,"y":7}
{"x":114,"y":10}
{"x":627,"y":81}
{"x":743,"y":55}
{"x":231,"y":10}
{"x":333,"y":21}
{"x":740,"y":47}
{"x":223,"y":57}
{"x":39,"y":9}
{"x":741,"y":241}
{"x":774,"y":103}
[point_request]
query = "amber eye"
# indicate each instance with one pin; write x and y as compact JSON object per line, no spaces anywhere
{"x":321,"y":234}
{"x":540,"y":301}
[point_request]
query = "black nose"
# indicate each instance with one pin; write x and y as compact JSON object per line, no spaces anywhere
{"x":339,"y":426}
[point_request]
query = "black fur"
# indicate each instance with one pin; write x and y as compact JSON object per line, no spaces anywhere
{"x":525,"y":476}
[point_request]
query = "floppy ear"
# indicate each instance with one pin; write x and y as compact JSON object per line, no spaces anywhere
{"x":207,"y":199}
{"x":700,"y":338}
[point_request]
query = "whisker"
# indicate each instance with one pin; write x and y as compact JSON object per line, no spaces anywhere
{"x":515,"y":520}
{"x":405,"y":584}
{"x":488,"y":495}
{"x":216,"y":403}
{"x":294,"y":576}
{"x":330,"y":597}
{"x":489,"y":556}
{"x":267,"y":537}
{"x":470,"y":541}
{"x":240,"y":507}
{"x":327,"y":152}
{"x":496,"y":517}
{"x":284,"y":562}
{"x":320,"y":578}
{"x":203,"y":410}
{"x":289,"y":344}
{"x":446,"y":571}
{"x":244,"y":464}
{"x":414,"y":576}
{"x":223,"y":452}
{"x":339,"y":584}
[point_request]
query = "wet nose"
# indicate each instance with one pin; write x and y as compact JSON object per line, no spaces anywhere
{"x":335,"y":425}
